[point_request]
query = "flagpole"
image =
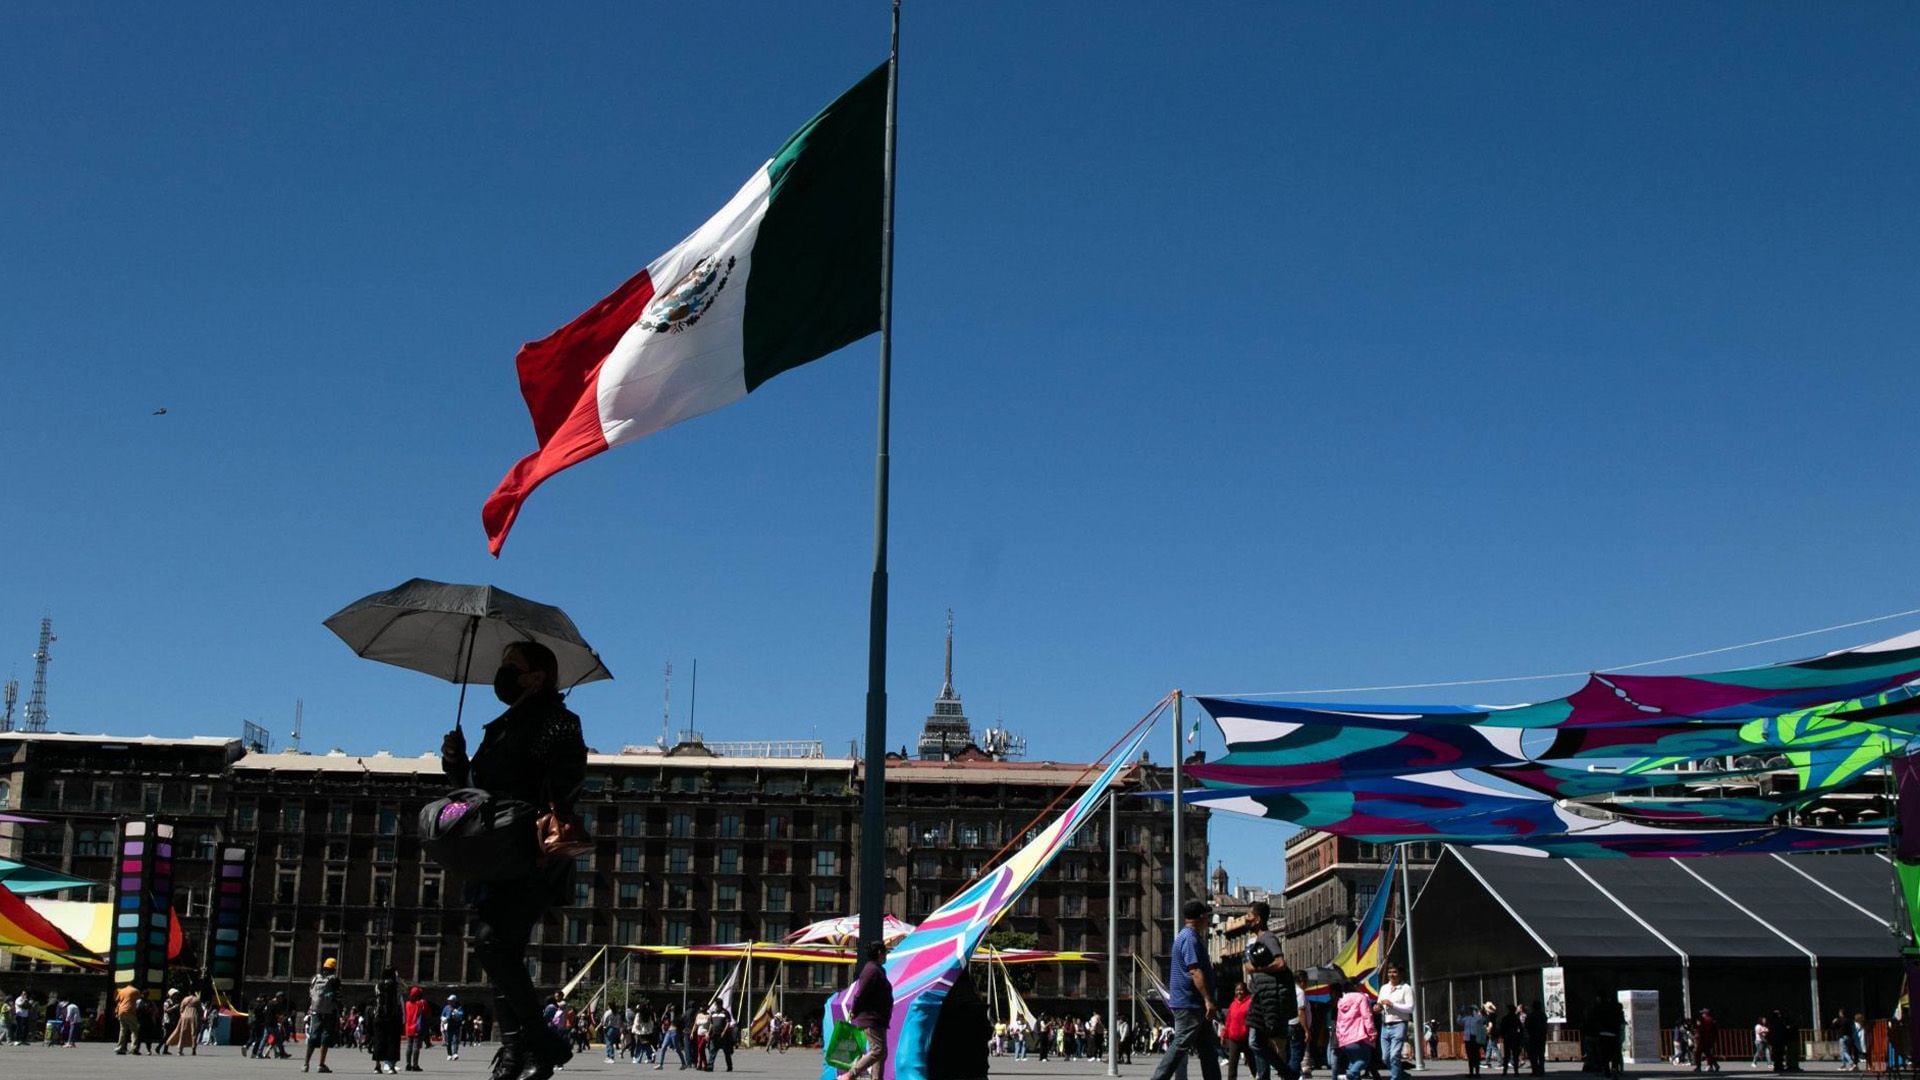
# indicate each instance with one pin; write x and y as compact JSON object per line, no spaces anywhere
{"x":873,"y":815}
{"x":1179,"y":868}
{"x":1113,"y":931}
{"x":1406,"y":905}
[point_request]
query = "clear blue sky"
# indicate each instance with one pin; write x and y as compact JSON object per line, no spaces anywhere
{"x":1239,"y":347}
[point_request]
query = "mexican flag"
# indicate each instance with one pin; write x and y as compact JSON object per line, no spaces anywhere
{"x":786,"y":272}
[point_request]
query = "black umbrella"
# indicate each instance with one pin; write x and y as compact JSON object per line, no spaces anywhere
{"x":437,"y":628}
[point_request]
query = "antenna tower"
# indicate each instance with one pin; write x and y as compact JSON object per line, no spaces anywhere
{"x":666,"y":708}
{"x":12,"y":694}
{"x":299,"y":709}
{"x":36,"y":717}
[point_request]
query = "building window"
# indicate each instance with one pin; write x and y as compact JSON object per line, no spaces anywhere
{"x":629,"y":858}
{"x":576,"y":929}
{"x":726,"y":897}
{"x":200,"y":846}
{"x":42,"y":840}
{"x":93,"y":843}
{"x":382,"y":889}
{"x":629,"y":894}
{"x":336,"y":850}
{"x":680,"y":825}
{"x":633,"y":823}
{"x":387,"y":821}
{"x":290,"y":818}
{"x":582,"y":894}
{"x":930,"y":833}
{"x":826,"y":863}
{"x":286,"y":887}
{"x":926,"y":866}
{"x":200,"y":799}
{"x":685,"y":784}
{"x":925,"y":900}
{"x":626,"y":932}
{"x":150,"y":798}
{"x":777,"y":861}
{"x":340,"y":819}
{"x":825,"y":898}
{"x":732,"y":827}
{"x":1073,"y":906}
{"x":677,"y":930}
{"x":426,"y":964}
{"x":1027,"y":905}
{"x":430,"y":890}
{"x":969,"y":835}
{"x":776,"y":898}
{"x":1072,"y":980}
{"x":244,"y":816}
{"x":679,"y":859}
{"x":103,"y":795}
{"x":726,"y":931}
{"x":383,"y":852}
{"x":729,"y":861}
{"x":334,"y":889}
{"x":583,"y":863}
{"x":282,"y":962}
{"x":679,"y":894}
{"x":779,"y":826}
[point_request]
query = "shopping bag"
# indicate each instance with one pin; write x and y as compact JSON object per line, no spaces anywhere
{"x":846,"y":1046}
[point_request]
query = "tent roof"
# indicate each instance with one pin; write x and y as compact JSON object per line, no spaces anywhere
{"x":1741,"y":907}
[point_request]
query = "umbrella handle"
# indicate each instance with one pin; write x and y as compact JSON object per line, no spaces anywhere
{"x":473,"y":631}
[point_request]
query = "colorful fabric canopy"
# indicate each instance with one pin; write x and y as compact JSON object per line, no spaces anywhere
{"x":926,"y":962}
{"x":21,"y":926}
{"x":1503,"y":776}
{"x":22,"y":879}
{"x":845,"y":930}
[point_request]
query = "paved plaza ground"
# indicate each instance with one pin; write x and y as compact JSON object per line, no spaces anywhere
{"x":98,"y":1060}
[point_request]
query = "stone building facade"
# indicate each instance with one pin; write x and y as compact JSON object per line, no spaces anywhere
{"x":1330,"y":882}
{"x":690,"y":847}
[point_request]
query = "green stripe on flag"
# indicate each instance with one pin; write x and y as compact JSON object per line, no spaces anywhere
{"x":814,"y":285}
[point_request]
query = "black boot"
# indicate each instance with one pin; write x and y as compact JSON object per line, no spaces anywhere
{"x":509,"y":1060}
{"x":547,"y":1050}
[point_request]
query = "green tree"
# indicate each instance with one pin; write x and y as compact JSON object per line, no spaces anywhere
{"x":1013,"y":939}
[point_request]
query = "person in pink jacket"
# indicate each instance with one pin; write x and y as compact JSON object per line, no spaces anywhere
{"x":1353,"y":1030}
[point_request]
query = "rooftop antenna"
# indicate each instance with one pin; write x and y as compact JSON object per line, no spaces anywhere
{"x":693,"y":693}
{"x":36,"y":717}
{"x":299,"y":708}
{"x":12,"y":694}
{"x":666,"y":708}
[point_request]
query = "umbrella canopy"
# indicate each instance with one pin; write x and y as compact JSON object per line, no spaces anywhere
{"x":438,"y":628}
{"x":845,"y":931}
{"x":23,"y":880}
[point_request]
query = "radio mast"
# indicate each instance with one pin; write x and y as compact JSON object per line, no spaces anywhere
{"x":12,"y":694}
{"x":36,"y":717}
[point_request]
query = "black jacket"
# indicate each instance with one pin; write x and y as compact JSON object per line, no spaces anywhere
{"x":532,"y":752}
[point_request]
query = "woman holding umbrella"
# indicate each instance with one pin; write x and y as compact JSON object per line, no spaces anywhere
{"x":534,"y":753}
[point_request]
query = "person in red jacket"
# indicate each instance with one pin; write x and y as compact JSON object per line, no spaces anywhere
{"x":1236,"y":1034}
{"x":414,"y":1026}
{"x":1705,"y":1033}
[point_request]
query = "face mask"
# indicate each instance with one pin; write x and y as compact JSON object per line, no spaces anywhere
{"x":506,"y":685}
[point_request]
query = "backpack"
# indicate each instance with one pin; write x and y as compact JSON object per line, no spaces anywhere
{"x":324,"y":994}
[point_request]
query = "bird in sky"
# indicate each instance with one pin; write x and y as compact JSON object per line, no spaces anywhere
{"x":159,"y":412}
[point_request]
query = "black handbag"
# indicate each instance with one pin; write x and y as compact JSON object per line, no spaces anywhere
{"x":479,"y":837}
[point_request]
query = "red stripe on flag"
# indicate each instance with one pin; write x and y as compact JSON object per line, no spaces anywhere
{"x":559,"y":377}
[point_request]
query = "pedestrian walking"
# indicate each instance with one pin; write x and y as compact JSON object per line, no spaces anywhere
{"x":1396,"y":1021}
{"x":1353,"y":1030}
{"x":1760,"y":1055}
{"x":383,"y":1034}
{"x":1706,"y":1032}
{"x":186,"y":1027}
{"x":414,"y":1025}
{"x":870,"y":1008}
{"x":1473,"y":1038}
{"x":532,"y":753}
{"x":126,"y":1010}
{"x":323,"y":1013}
{"x":670,"y":1039}
{"x":1537,"y":1038}
{"x":1191,"y":998}
{"x":453,"y":1025}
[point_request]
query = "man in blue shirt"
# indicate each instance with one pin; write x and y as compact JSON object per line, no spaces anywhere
{"x":1190,"y":996}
